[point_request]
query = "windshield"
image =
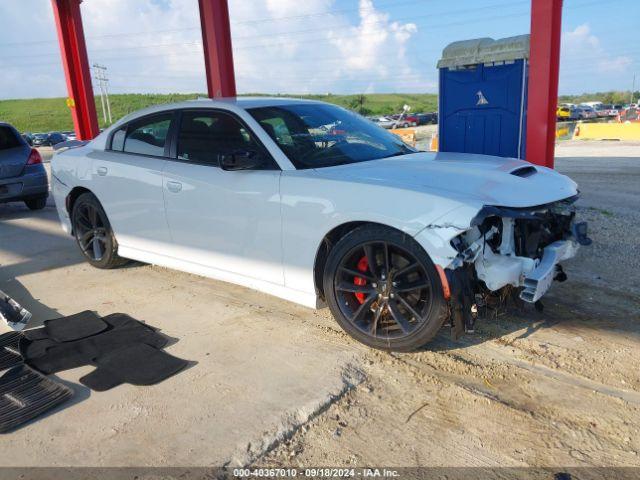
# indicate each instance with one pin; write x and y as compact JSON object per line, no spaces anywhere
{"x":321,"y":135}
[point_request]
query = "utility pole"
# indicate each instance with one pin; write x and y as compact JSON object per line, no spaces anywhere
{"x":103,"y":81}
{"x":633,"y":88}
{"x":98,"y":77}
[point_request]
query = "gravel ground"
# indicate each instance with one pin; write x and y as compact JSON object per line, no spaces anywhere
{"x":610,"y":202}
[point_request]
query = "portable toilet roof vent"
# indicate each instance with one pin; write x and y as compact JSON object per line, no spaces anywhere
{"x":484,"y":50}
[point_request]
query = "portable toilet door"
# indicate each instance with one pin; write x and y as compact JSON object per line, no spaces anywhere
{"x":482,"y":101}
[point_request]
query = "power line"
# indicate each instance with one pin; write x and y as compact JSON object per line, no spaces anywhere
{"x":267,"y":19}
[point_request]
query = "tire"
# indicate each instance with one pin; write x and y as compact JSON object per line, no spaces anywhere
{"x":374,"y":304}
{"x":93,"y":233}
{"x":37,"y":203}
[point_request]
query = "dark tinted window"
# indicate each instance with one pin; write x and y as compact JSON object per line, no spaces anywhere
{"x":204,"y":136}
{"x":147,"y":136}
{"x":321,"y":135}
{"x":8,"y":138}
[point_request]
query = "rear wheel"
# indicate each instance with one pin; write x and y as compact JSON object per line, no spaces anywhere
{"x":93,"y":233}
{"x":37,"y":203}
{"x":384,"y":290}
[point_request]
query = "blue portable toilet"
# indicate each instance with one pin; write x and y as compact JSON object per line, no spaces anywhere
{"x":483,"y":96}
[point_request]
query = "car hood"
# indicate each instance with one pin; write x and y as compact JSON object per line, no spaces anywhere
{"x":484,"y":179}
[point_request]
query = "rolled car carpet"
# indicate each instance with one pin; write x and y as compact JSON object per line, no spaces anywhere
{"x":25,"y":394}
{"x":136,"y":364}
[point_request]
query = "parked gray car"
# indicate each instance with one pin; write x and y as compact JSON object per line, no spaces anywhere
{"x":22,"y":175}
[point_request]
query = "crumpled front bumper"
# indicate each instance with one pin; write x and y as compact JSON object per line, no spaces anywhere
{"x":535,"y":276}
{"x":538,"y":281}
{"x":521,"y":248}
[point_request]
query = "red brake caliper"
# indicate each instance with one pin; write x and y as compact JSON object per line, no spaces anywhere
{"x":363,"y":266}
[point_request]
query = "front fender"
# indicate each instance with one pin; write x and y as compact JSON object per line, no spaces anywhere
{"x":436,"y":237}
{"x":312,"y":207}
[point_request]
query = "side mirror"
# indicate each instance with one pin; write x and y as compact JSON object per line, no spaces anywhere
{"x":240,"y":160}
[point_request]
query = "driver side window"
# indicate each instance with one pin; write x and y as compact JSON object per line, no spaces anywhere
{"x":204,"y":136}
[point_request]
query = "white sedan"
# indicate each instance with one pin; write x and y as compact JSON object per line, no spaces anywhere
{"x":315,"y":204}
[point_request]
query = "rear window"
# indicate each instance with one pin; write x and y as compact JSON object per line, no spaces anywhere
{"x":146,"y":136}
{"x":8,"y":138}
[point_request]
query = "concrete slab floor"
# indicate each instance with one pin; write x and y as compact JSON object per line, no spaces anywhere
{"x":259,"y":370}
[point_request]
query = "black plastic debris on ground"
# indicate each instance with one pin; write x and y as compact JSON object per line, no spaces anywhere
{"x":26,"y":394}
{"x":10,"y":350}
{"x":12,"y":313}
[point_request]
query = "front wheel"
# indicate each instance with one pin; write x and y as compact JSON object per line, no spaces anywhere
{"x":93,"y":233}
{"x":384,"y":290}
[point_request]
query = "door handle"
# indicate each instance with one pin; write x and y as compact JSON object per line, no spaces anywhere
{"x":174,"y":187}
{"x":102,"y":171}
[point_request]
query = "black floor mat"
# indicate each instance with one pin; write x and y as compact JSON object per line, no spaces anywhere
{"x":48,"y":357}
{"x":117,"y":320}
{"x":69,"y":328}
{"x":136,"y":364}
{"x":10,"y":350}
{"x":25,"y":394}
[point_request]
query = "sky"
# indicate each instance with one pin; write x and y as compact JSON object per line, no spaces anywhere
{"x":307,"y":46}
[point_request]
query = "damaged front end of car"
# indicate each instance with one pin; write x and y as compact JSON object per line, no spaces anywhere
{"x":510,"y":252}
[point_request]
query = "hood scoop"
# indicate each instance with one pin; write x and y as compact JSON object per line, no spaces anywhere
{"x":524,"y":172}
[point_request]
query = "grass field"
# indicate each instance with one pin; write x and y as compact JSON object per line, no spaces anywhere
{"x":52,"y":114}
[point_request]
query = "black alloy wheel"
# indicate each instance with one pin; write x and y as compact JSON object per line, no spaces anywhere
{"x":93,"y":233}
{"x":384,"y":290}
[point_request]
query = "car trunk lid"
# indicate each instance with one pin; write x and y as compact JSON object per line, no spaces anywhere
{"x":14,"y":152}
{"x":13,"y":160}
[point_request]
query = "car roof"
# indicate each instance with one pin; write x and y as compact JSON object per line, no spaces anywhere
{"x":226,"y":102}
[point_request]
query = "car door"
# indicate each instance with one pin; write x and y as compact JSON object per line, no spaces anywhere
{"x":127,"y":179}
{"x":225,"y":220}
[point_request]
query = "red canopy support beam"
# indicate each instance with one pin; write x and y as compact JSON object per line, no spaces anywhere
{"x":76,"y":67}
{"x":544,"y":69}
{"x":218,"y":52}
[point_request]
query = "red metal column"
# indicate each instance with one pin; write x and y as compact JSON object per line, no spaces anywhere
{"x":76,"y":67}
{"x":218,"y":53}
{"x":544,"y":68}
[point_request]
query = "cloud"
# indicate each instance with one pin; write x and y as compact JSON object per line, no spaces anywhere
{"x":279,"y":46}
{"x":312,"y":52}
{"x":582,"y":46}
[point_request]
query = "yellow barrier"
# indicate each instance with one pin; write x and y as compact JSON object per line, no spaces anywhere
{"x":408,"y":135}
{"x":607,"y":131}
